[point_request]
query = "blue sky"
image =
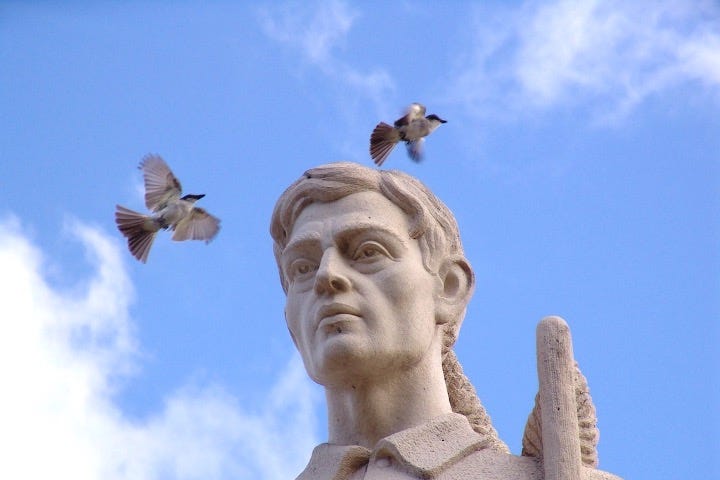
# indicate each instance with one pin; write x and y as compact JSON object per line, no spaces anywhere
{"x":581,"y":158}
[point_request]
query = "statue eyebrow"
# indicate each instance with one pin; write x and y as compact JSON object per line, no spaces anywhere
{"x":362,"y":228}
{"x":304,"y":239}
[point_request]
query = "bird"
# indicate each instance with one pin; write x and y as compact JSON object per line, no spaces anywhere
{"x":169,"y":211}
{"x":411,"y":128}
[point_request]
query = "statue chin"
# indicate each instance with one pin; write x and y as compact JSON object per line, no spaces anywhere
{"x":335,"y":357}
{"x":345,"y":361}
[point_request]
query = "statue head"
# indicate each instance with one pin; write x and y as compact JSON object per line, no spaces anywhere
{"x":428,"y":222}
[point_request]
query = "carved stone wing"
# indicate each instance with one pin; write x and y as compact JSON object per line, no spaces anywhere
{"x":562,"y":428}
{"x":587,"y":423}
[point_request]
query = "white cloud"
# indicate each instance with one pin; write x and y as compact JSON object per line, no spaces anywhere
{"x":609,"y":55}
{"x":62,"y":350}
{"x":316,"y":31}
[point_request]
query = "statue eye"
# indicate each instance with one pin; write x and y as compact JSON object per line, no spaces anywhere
{"x":301,"y":268}
{"x":370,"y":251}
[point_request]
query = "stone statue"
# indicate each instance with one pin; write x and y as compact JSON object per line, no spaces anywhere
{"x":377,"y":286}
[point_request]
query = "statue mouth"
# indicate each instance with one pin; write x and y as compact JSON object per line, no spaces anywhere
{"x":331,"y":318}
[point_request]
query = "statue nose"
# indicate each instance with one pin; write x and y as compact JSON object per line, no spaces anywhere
{"x":331,"y":275}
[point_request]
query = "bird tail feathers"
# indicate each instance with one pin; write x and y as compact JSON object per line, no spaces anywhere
{"x":382,"y":141}
{"x":139,"y":229}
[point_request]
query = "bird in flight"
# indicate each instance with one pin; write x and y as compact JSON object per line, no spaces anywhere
{"x":411,"y":128}
{"x":169,"y":211}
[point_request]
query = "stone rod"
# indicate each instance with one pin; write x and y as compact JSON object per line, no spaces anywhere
{"x":560,"y":430}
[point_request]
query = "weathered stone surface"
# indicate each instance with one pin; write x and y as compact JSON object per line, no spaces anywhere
{"x":377,"y":285}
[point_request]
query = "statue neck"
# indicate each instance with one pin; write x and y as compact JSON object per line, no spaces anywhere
{"x":362,"y":412}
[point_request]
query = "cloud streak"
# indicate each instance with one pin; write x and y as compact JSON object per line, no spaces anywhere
{"x":610,"y":56}
{"x":316,"y":31}
{"x":62,"y":350}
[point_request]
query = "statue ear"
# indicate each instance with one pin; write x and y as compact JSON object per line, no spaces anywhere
{"x":457,"y":282}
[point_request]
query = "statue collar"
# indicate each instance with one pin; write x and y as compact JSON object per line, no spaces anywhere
{"x":423,"y":451}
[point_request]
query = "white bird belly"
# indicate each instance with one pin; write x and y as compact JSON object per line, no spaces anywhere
{"x":417,"y":129}
{"x":175,"y":212}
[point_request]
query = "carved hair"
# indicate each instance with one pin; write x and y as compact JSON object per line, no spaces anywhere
{"x":431,"y":223}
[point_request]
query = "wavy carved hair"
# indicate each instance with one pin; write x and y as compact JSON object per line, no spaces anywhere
{"x":431,"y":224}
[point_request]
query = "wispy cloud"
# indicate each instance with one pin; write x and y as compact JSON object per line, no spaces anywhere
{"x":62,"y":350}
{"x":316,"y":31}
{"x":609,"y":55}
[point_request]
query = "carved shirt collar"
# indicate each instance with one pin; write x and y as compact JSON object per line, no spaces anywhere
{"x":418,"y":452}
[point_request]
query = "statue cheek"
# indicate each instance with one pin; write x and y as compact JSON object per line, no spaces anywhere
{"x":292,"y":320}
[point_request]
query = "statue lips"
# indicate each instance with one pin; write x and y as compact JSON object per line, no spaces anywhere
{"x":331,"y":316}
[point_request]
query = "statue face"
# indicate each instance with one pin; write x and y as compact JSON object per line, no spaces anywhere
{"x":359,"y":300}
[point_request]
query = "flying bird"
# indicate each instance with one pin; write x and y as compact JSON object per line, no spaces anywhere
{"x":169,"y":210}
{"x":412,"y":128}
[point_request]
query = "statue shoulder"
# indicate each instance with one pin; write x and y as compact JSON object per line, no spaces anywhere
{"x":490,"y":464}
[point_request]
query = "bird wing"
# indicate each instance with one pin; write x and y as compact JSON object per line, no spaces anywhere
{"x":415,"y":110}
{"x":415,"y":149}
{"x":161,"y":184}
{"x":199,"y":225}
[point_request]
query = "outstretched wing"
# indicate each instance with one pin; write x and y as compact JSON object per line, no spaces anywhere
{"x":415,"y":148}
{"x":161,"y":184}
{"x":199,"y":225}
{"x":414,"y":111}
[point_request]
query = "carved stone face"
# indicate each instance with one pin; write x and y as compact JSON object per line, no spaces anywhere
{"x":359,"y":302}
